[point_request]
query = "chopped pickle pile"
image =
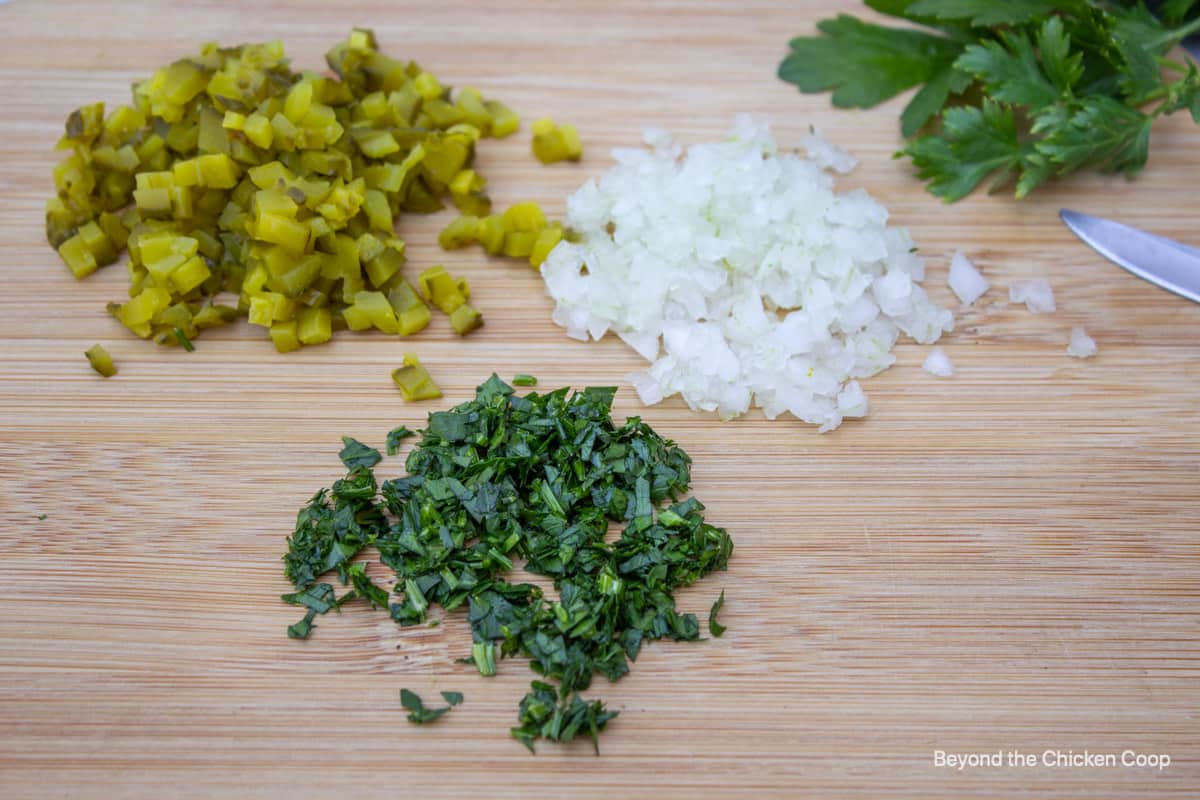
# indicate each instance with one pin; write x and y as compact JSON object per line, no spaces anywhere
{"x":231,"y":173}
{"x":520,"y":232}
{"x":552,"y":142}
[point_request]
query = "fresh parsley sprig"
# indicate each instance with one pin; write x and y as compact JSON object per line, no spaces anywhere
{"x":1015,"y":93}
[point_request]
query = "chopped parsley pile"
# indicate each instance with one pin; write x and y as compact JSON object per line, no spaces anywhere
{"x":504,"y":478}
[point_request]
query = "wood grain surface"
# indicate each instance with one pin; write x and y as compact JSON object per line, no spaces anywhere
{"x":1006,"y":560}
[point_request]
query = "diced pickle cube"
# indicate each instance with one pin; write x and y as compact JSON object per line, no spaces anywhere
{"x":284,"y":335}
{"x":465,"y":319}
{"x":413,"y":380}
{"x":101,"y":361}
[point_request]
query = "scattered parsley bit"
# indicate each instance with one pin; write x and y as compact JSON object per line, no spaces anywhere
{"x":1021,"y":91}
{"x":318,"y":599}
{"x":418,"y":713}
{"x":183,"y":340}
{"x":483,"y":656}
{"x":537,"y":478}
{"x":524,"y":380}
{"x":41,"y":517}
{"x":395,"y":437}
{"x":303,"y":628}
{"x":714,"y":627}
{"x":542,"y":715}
{"x":453,"y":698}
{"x":357,"y":454}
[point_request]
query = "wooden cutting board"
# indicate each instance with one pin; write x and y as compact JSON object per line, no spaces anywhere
{"x":1003,"y":561}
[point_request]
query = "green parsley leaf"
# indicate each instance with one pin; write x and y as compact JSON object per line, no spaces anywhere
{"x":41,"y":517}
{"x":714,"y":627}
{"x":1009,"y":70}
{"x":356,"y":454}
{"x":1175,"y":12}
{"x":417,"y":712}
{"x":975,"y":143}
{"x":453,"y":698}
{"x":395,"y":437}
{"x":1140,"y":39}
{"x":1063,"y":67}
{"x":524,"y":380}
{"x":864,"y":64}
{"x":1101,"y":132}
{"x":1008,"y":92}
{"x":931,"y":98}
{"x":903,"y":10}
{"x":983,"y":13}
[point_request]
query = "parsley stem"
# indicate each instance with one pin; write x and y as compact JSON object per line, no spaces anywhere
{"x":1177,"y":35}
{"x":1175,"y":66}
{"x":1150,"y":97}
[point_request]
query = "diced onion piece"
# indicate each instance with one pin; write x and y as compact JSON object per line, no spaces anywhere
{"x":938,"y":363}
{"x":965,"y":280}
{"x":1036,"y":294}
{"x":1081,"y":345}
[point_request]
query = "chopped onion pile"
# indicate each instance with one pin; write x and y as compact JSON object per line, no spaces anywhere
{"x":742,"y":276}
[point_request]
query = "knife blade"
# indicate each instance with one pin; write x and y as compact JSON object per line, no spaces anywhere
{"x":1164,"y":262}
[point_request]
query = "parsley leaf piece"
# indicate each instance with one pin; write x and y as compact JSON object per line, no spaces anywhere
{"x":931,"y":98}
{"x":184,"y":341}
{"x":483,"y":656}
{"x":974,"y":143}
{"x":1174,"y":12}
{"x":41,"y":517}
{"x":417,"y":712}
{"x":303,"y":628}
{"x":983,"y":13}
{"x":395,"y":437}
{"x":524,"y":380}
{"x":864,"y":64}
{"x":903,"y":10}
{"x":319,"y":598}
{"x":1102,"y":132}
{"x":453,"y":698}
{"x":1063,"y":67}
{"x":332,"y":529}
{"x":542,"y":715}
{"x":1009,"y":70}
{"x":714,"y":627}
{"x":378,"y":598}
{"x":356,"y":454}
{"x":1140,"y":39}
